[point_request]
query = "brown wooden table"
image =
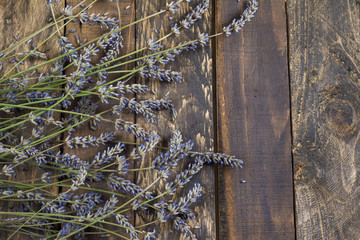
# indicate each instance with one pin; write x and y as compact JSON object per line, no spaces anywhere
{"x":281,"y":94}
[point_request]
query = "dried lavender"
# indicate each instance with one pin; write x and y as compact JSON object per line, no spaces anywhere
{"x":42,"y":113}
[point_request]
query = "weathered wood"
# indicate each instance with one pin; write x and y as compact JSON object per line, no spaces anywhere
{"x":252,"y":90}
{"x":324,"y":70}
{"x":192,"y":100}
{"x":88,"y":32}
{"x":21,"y":18}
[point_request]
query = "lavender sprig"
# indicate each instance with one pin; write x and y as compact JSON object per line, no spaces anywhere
{"x":33,"y":134}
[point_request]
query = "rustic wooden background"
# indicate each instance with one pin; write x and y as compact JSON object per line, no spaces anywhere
{"x":281,"y":94}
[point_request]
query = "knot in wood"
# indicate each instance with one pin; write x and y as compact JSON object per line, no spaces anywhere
{"x":341,"y":118}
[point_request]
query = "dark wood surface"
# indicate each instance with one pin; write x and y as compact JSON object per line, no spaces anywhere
{"x":87,"y":32}
{"x":193,"y":101}
{"x":253,"y":107}
{"x":289,"y":80}
{"x":324,"y":64}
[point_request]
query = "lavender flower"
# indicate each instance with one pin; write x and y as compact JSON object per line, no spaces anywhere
{"x":120,"y":184}
{"x":88,"y":141}
{"x":90,"y":84}
{"x":7,"y":170}
{"x":80,"y":178}
{"x":195,"y":14}
{"x":67,"y":11}
{"x":238,"y":24}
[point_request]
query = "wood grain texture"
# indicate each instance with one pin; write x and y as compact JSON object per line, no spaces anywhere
{"x":325,"y":73}
{"x":252,"y":90}
{"x":21,"y":18}
{"x":89,"y":32}
{"x":192,"y":100}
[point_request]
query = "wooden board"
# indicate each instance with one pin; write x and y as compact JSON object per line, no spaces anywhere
{"x":21,"y":18}
{"x":89,"y":32}
{"x":192,"y":100}
{"x":324,"y":70}
{"x":252,"y":90}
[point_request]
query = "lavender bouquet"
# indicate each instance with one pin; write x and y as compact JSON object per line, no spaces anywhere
{"x":42,"y":112}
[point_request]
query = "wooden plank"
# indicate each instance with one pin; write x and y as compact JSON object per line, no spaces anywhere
{"x":21,"y":18}
{"x":324,"y":69}
{"x":192,"y":100}
{"x":252,"y":90}
{"x":88,"y":32}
